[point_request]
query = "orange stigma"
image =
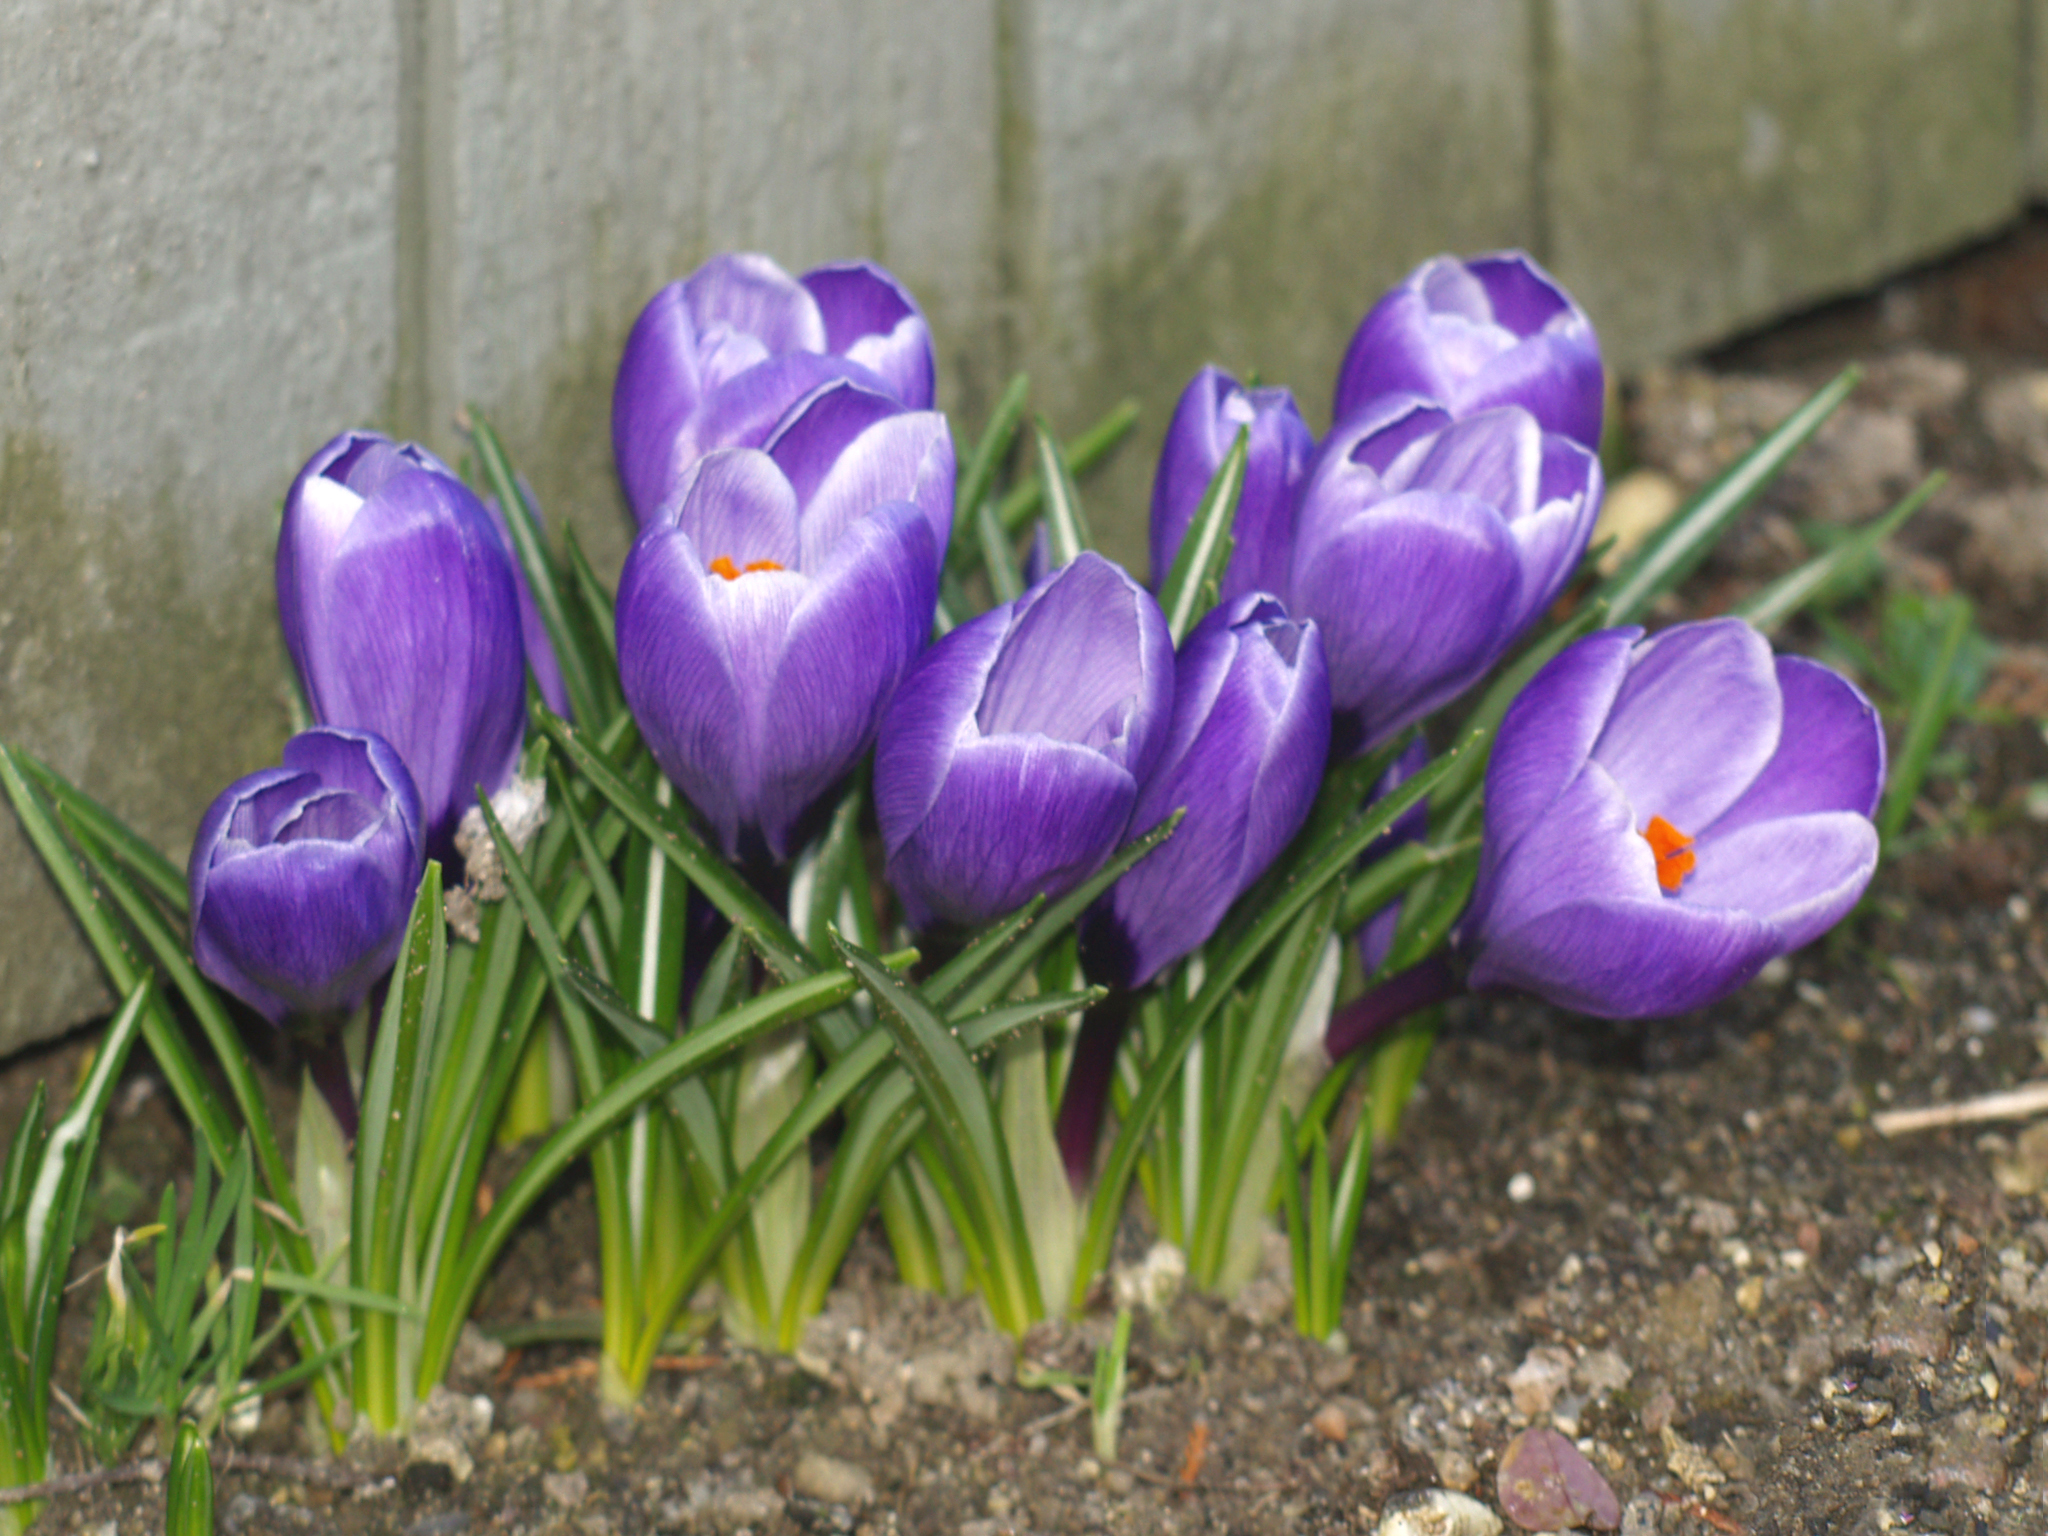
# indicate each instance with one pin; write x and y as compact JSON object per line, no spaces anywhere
{"x":1675,"y":859}
{"x":723,"y":566}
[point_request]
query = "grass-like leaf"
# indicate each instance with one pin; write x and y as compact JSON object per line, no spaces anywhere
{"x":1771,"y":607}
{"x":1206,"y":544}
{"x":1065,"y":523}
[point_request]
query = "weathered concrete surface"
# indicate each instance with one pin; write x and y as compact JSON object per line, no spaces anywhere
{"x":1295,"y":159}
{"x":596,"y":151}
{"x":1712,"y":163}
{"x":196,"y":275}
{"x":2032,"y":51}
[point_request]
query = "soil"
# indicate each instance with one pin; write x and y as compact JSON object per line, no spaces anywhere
{"x":1684,"y":1244}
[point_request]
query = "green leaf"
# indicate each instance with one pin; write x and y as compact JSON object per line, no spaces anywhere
{"x":1082,"y":455}
{"x":978,"y":476}
{"x":1005,"y":581}
{"x":1933,"y":707}
{"x":580,"y":670}
{"x":957,"y":1105}
{"x":1205,"y":545}
{"x":1065,"y":522}
{"x":1783,"y":598}
{"x":188,"y":1496}
{"x":1673,"y":551}
{"x":164,"y":880}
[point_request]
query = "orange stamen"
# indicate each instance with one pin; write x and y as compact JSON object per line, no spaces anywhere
{"x":1675,"y":858}
{"x":723,"y":566}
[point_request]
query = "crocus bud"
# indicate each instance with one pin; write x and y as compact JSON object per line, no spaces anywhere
{"x":716,"y":360}
{"x":1212,"y":410}
{"x":1664,"y":816}
{"x":1009,"y":761}
{"x":1423,"y":546}
{"x":1244,"y":754}
{"x":1472,"y":335}
{"x":765,"y":618}
{"x":401,"y":612}
{"x":302,"y":876}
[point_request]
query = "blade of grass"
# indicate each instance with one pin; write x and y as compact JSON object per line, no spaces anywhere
{"x":1064,"y":520}
{"x":1205,"y":545}
{"x":1783,"y":598}
{"x":1082,"y":455}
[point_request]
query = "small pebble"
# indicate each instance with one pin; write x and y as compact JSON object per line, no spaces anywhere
{"x":1330,"y":1422}
{"x":565,"y":1489}
{"x":832,"y":1481}
{"x":1546,"y":1484}
{"x":1522,"y":1188}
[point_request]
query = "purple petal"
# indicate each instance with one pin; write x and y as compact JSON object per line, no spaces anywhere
{"x":871,"y":318}
{"x":1088,"y":660}
{"x":735,"y":505}
{"x":1381,"y":430}
{"x":1694,"y":723}
{"x":743,"y":294}
{"x":1495,"y":457}
{"x":1830,"y":753}
{"x":1412,"y":595}
{"x":657,"y":388}
{"x":677,"y":668}
{"x":1519,"y":294}
{"x":864,"y":620}
{"x":907,"y":456}
{"x":1586,"y":846}
{"x":811,"y":436}
{"x":1801,"y":874}
{"x":1544,"y":741}
{"x":408,"y":626}
{"x":1017,"y":816}
{"x":1629,"y":960}
{"x":929,"y":719}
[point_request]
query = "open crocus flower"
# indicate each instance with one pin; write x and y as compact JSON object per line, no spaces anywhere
{"x":767,"y":616}
{"x":1243,"y":756}
{"x":716,"y":359}
{"x":302,"y":876}
{"x":1423,"y":546}
{"x":1212,"y":410}
{"x":1664,"y":816}
{"x":1472,"y":335}
{"x":1009,"y":761}
{"x":401,"y":612}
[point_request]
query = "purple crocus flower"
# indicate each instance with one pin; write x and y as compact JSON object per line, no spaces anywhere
{"x":1244,"y":754}
{"x":302,"y":876}
{"x":400,"y":609}
{"x":718,"y":358}
{"x":1423,"y":546}
{"x":1212,"y":410}
{"x":1665,"y":815}
{"x":1472,"y":335}
{"x":767,"y":615}
{"x":1009,"y":761}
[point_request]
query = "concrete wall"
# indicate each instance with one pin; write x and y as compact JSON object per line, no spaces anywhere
{"x":233,"y":228}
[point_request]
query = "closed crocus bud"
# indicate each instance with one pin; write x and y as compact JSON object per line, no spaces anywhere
{"x":1009,"y":761}
{"x":767,"y":616}
{"x":717,"y":359}
{"x":1472,"y":335}
{"x":1424,"y":546}
{"x":1664,"y":816}
{"x":302,"y":876}
{"x":1212,"y":410}
{"x":1244,"y":754}
{"x":401,"y":611}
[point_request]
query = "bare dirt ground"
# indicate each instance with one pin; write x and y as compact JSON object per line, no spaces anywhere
{"x":1683,"y":1244}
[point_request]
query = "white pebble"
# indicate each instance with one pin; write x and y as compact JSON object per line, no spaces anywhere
{"x":1522,"y":1188}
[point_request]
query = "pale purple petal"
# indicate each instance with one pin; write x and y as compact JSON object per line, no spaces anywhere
{"x":871,"y":318}
{"x":1495,"y":457}
{"x":744,"y":412}
{"x":929,"y":719}
{"x":812,"y":435}
{"x":1586,"y":846}
{"x":657,"y":388}
{"x":1694,"y":723}
{"x":749,"y":295}
{"x":906,"y":456}
{"x":862,"y":623}
{"x":1801,"y":874}
{"x":735,"y":504}
{"x":1830,"y":753}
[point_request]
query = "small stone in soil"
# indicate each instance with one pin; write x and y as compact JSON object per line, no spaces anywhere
{"x":1545,"y":1484}
{"x":566,"y":1489}
{"x":832,"y":1481}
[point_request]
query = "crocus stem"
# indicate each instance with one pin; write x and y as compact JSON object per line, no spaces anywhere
{"x":327,"y":1065}
{"x":1087,"y":1090}
{"x":1365,"y":1019}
